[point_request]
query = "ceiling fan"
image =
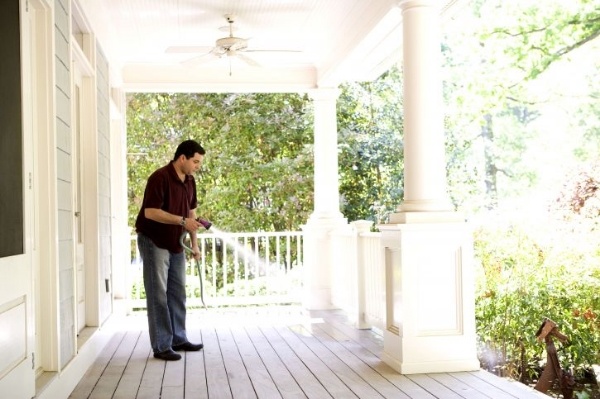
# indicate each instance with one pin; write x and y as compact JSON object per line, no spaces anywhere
{"x":226,"y":45}
{"x":230,"y":46}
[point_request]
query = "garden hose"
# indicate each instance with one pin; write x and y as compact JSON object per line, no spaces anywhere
{"x":181,"y":241}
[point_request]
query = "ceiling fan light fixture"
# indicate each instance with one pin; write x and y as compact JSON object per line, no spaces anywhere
{"x":232,"y":43}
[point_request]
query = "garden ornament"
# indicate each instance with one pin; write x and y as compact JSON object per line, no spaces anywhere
{"x":547,"y":331}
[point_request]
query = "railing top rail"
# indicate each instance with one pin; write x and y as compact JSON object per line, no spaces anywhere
{"x":253,"y":234}
{"x":246,"y":234}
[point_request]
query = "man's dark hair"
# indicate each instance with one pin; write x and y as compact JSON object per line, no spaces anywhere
{"x":188,"y":148}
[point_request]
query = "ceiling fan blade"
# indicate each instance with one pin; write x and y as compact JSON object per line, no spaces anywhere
{"x":202,"y":58}
{"x":257,"y":50}
{"x":246,"y":59}
{"x":188,"y":49}
{"x":218,"y":51}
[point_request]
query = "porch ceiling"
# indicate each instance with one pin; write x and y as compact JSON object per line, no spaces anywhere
{"x":313,"y":43}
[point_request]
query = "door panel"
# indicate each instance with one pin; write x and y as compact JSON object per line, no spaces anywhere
{"x":16,"y":305}
{"x":77,"y":197}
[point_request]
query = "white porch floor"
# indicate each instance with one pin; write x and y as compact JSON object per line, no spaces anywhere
{"x":273,"y":353}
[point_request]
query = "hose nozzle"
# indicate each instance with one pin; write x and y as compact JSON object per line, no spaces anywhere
{"x":204,"y":223}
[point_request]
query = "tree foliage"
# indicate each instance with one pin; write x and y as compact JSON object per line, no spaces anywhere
{"x":509,"y":76}
{"x":536,"y":35}
{"x":371,"y":161}
{"x":257,"y":174}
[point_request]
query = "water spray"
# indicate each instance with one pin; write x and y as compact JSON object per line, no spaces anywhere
{"x":227,"y":241}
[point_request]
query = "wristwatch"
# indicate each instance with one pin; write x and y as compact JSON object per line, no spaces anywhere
{"x":182,"y":223}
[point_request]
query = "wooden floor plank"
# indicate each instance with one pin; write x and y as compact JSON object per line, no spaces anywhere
{"x":304,"y":376}
{"x":264,"y":385}
{"x":239,"y":381}
{"x":174,"y":379}
{"x":367,"y":338}
{"x":152,"y":380}
{"x":465,"y":390}
{"x":350,"y":372}
{"x":274,"y":353}
{"x":132,"y":376}
{"x":216,"y":377}
{"x":282,"y":378}
{"x":85,"y":387}
{"x":195,"y":371}
{"x":336,"y":343}
{"x":435,"y":388}
{"x":336,"y":325}
{"x":355,"y":344}
{"x":481,"y":385}
{"x":330,"y":381}
{"x":109,"y":380}
{"x":514,"y":388}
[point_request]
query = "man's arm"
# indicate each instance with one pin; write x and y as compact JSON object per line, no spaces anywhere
{"x":158,"y":215}
{"x":161,"y":216}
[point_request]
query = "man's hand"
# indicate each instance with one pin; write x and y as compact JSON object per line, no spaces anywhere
{"x":195,"y":251}
{"x":192,"y":225}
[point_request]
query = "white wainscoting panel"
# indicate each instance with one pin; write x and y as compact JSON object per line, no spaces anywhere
{"x":13,"y":335}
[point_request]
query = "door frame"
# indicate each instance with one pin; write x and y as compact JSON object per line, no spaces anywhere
{"x":45,"y":278}
{"x":82,"y":53}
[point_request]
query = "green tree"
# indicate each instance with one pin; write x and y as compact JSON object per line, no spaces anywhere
{"x":501,"y":63}
{"x":257,"y":174}
{"x":371,"y":155}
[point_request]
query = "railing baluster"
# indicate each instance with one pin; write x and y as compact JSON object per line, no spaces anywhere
{"x":224,"y":247}
{"x":236,"y":285}
{"x":246,"y":265}
{"x":257,"y":256}
{"x":267,"y":264}
{"x":214,"y":265}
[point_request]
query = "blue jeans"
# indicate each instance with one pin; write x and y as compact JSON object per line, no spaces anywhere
{"x":164,"y":281}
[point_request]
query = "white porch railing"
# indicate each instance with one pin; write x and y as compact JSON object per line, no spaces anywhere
{"x":241,"y":269}
{"x":358,"y":280}
{"x":238,"y":269}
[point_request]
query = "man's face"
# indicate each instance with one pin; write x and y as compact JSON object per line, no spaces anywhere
{"x":192,"y":165}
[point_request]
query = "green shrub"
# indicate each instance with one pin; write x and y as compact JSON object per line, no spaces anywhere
{"x":525,"y":277}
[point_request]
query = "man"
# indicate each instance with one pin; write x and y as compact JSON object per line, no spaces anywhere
{"x":168,"y":209}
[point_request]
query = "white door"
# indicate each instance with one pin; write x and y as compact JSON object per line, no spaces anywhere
{"x":16,"y":302}
{"x":77,"y":95}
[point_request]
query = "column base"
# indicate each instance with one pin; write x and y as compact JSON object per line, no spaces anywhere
{"x":318,"y":261}
{"x":424,"y":368}
{"x":430,"y":299}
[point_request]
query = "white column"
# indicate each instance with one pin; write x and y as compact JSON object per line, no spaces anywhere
{"x":424,"y":158}
{"x":326,"y":180}
{"x":430,"y":316}
{"x":326,"y":216}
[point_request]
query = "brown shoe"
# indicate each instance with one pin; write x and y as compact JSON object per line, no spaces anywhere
{"x":188,"y":346}
{"x":167,"y":355}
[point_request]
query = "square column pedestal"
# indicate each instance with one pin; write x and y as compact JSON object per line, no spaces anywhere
{"x":430,"y":316}
{"x":318,"y":259}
